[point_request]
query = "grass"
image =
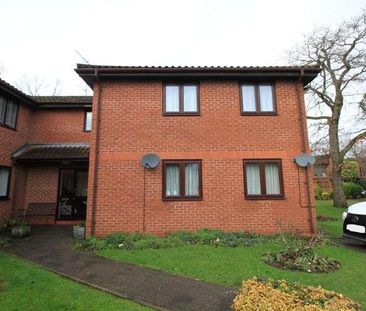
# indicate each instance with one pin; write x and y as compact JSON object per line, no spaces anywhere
{"x":230,"y":266}
{"x":28,"y":287}
{"x":332,"y":229}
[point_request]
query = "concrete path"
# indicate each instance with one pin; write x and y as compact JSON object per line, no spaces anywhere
{"x":51,"y":246}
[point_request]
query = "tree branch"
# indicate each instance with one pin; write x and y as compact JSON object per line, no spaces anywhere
{"x":353,"y":141}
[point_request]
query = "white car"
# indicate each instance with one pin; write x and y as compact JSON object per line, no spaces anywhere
{"x":354,"y":222}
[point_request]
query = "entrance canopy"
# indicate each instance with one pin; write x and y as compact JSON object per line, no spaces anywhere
{"x":52,"y":153}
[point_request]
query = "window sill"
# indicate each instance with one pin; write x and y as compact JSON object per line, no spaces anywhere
{"x":4,"y":199}
{"x":181,"y":114}
{"x":8,"y":127}
{"x":259,"y":114}
{"x":183,"y":199}
{"x":263,"y":197}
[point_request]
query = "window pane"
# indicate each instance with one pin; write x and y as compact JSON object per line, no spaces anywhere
{"x":2,"y":109}
{"x":248,"y":93}
{"x":190,"y":98}
{"x":253,"y":179}
{"x":88,"y":121}
{"x":266,"y":97}
{"x":172,"y":98}
{"x":4,"y":180}
{"x":11,"y":114}
{"x":172,"y":180}
{"x":192,"y":179}
{"x":272,"y":178}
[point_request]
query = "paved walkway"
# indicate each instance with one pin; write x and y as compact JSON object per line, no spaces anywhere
{"x":51,"y":246}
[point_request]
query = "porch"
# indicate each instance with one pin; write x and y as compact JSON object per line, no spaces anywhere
{"x":51,"y":182}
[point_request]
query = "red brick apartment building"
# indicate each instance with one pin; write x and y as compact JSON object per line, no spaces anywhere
{"x":226,"y":136}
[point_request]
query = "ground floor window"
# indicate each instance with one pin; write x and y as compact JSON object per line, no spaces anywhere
{"x":263,"y":179}
{"x":4,"y":182}
{"x":182,"y":179}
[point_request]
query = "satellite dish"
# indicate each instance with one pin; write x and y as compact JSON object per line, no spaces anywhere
{"x":305,"y":160}
{"x":150,"y":160}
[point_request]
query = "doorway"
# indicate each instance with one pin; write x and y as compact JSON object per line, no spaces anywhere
{"x":72,"y":194}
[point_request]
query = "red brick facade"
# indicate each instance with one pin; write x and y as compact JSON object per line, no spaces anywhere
{"x":128,"y":122}
{"x":131,"y":124}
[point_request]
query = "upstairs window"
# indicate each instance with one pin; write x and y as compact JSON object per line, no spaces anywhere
{"x":8,"y":112}
{"x":257,"y":99}
{"x":263,"y":179}
{"x":181,"y":99}
{"x":88,"y":118}
{"x":182,"y":180}
{"x":4,"y":182}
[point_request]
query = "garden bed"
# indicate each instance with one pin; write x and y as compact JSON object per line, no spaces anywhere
{"x":256,"y":294}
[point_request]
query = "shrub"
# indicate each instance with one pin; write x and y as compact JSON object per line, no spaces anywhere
{"x":318,"y":192}
{"x":326,"y":218}
{"x":2,"y":286}
{"x":352,"y":190}
{"x":256,"y":294}
{"x":325,"y":196}
{"x":299,"y":254}
{"x":3,"y":242}
{"x":350,"y":170}
{"x":303,"y":258}
{"x":137,"y":241}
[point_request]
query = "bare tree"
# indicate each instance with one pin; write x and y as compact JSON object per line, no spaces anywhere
{"x":34,"y":86}
{"x":341,"y":54}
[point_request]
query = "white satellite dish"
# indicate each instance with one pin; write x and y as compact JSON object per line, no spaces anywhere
{"x":150,"y":160}
{"x":305,"y":160}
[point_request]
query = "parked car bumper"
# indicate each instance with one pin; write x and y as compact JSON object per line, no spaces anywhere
{"x":354,"y":227}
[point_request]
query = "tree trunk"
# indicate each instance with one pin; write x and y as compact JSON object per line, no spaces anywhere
{"x":339,"y":199}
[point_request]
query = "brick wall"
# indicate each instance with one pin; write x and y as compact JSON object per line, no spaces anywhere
{"x":10,"y":141}
{"x":56,"y":125}
{"x":132,"y":124}
{"x":37,"y":185}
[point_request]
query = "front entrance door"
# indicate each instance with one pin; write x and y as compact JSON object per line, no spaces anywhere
{"x":72,"y":194}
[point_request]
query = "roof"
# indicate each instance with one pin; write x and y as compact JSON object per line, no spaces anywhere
{"x":88,"y":72}
{"x":52,"y":152}
{"x":63,"y":101}
{"x":46,"y":101}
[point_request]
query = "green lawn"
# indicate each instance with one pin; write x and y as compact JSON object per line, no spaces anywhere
{"x":332,"y":228}
{"x":232,"y":265}
{"x":24,"y":286}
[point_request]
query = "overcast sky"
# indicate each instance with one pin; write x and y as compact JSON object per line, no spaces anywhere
{"x":39,"y":37}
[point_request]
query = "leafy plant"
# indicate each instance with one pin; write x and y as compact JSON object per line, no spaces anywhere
{"x":326,"y":218}
{"x":350,"y":170}
{"x":352,"y":190}
{"x":318,"y":192}
{"x":325,"y":195}
{"x":300,"y":255}
{"x":257,"y":294}
{"x":4,"y":241}
{"x":137,"y":241}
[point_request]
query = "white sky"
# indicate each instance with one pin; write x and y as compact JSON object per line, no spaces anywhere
{"x":39,"y":37}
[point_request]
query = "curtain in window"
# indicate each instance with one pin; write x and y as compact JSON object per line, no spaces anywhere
{"x":11,"y":114}
{"x":172,"y":98}
{"x":248,"y":93}
{"x":4,"y":179}
{"x":172,"y":180}
{"x":272,"y":178}
{"x":192,"y":179}
{"x":266,"y":97}
{"x":2,"y":109}
{"x":190,"y":98}
{"x":88,"y":121}
{"x":253,"y":179}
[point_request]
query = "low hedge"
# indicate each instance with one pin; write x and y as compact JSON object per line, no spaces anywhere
{"x":138,"y":241}
{"x":256,"y":294}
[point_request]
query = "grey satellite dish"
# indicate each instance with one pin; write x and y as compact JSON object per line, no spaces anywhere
{"x":150,"y":160}
{"x":305,"y":160}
